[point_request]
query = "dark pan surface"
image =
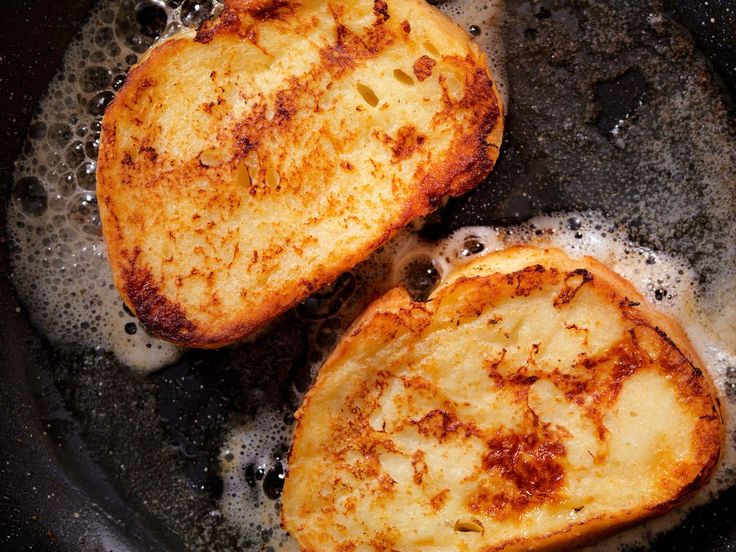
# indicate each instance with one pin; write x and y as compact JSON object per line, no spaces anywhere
{"x":94,"y":457}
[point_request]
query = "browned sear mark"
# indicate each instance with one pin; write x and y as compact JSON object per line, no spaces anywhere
{"x":440,"y":424}
{"x":529,"y":464}
{"x":573,"y":282}
{"x":423,"y":68}
{"x":408,"y":140}
{"x":380,"y":8}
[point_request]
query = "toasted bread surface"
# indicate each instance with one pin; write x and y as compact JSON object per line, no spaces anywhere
{"x":535,"y":401}
{"x":247,"y":165}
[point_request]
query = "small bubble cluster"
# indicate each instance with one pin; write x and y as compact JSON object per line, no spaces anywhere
{"x":253,"y":470}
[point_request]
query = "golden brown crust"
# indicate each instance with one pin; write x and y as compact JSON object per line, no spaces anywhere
{"x":220,"y":191}
{"x":385,"y":399}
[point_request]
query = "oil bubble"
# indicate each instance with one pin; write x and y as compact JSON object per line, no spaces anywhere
{"x":75,"y":154}
{"x":152,"y":20}
{"x":195,"y":12}
{"x":29,"y":195}
{"x":139,"y":24}
{"x":95,"y":79}
{"x":99,"y":103}
{"x":419,"y":275}
{"x":86,"y":177}
{"x":59,"y":135}
{"x":84,"y":214}
{"x":328,"y":301}
{"x":472,"y":245}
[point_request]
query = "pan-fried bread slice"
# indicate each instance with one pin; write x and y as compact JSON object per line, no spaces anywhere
{"x":246,"y":166}
{"x":534,"y":402}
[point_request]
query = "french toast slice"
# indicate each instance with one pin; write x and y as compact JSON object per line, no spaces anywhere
{"x":535,"y":401}
{"x":244,"y":166}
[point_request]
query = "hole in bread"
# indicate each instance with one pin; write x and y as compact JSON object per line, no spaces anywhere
{"x":368,"y":94}
{"x":242,"y":176}
{"x":468,"y":526}
{"x":401,"y":76}
{"x":431,"y":48}
{"x":272,"y":178}
{"x":252,"y":164}
{"x":210,"y":158}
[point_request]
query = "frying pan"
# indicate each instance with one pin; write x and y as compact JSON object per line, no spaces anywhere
{"x":94,"y":457}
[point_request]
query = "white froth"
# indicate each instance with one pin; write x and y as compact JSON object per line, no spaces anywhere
{"x":252,"y":444}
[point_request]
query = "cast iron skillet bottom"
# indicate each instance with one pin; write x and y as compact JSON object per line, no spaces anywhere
{"x":95,"y":457}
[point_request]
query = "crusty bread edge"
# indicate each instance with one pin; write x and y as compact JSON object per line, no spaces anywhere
{"x":478,"y":154}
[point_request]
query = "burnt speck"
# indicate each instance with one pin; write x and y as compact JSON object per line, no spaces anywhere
{"x":618,"y":99}
{"x":131,"y":328}
{"x":660,"y":294}
{"x":273,"y":482}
